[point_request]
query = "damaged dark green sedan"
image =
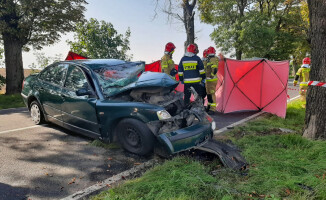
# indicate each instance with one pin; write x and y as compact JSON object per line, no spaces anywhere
{"x":113,"y":99}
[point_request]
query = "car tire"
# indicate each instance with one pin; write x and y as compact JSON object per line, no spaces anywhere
{"x":135,"y":136}
{"x":36,"y":113}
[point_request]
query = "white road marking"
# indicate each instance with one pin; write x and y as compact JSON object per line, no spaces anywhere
{"x":294,"y":98}
{"x":21,"y":129}
{"x":216,"y":132}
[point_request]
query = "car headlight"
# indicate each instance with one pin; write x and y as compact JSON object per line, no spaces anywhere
{"x":210,"y":119}
{"x":163,"y":114}
{"x":213,"y":125}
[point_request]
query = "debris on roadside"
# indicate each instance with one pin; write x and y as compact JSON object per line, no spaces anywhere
{"x":285,"y":130}
{"x":72,"y":181}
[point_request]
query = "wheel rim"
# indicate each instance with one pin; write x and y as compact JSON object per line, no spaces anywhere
{"x":132,"y":137}
{"x":35,"y":113}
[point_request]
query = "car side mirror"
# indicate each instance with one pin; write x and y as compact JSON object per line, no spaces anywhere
{"x":84,"y":91}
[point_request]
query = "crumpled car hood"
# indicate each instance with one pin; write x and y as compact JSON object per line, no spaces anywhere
{"x":118,"y":77}
{"x":152,"y":80}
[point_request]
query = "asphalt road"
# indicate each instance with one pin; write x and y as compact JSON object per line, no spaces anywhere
{"x":48,"y":162}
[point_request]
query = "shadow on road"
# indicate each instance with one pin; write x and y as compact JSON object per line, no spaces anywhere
{"x":13,"y":193}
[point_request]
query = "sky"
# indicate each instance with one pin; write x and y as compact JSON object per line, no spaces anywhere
{"x":148,"y":36}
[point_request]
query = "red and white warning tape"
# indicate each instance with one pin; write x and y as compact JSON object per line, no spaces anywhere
{"x":317,"y":83}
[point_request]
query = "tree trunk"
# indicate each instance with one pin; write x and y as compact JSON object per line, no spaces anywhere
{"x":294,"y":69}
{"x":239,"y":43}
{"x":14,"y":64}
{"x":188,"y":16}
{"x":238,"y":54}
{"x":315,"y":121}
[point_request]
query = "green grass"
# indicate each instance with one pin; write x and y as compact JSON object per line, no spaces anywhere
{"x":11,"y":101}
{"x":281,"y":166}
{"x":180,"y":178}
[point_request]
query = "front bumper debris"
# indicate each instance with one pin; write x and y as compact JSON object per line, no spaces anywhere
{"x":228,"y":154}
{"x":185,"y":138}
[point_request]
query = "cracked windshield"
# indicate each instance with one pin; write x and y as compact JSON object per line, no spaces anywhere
{"x":113,"y":78}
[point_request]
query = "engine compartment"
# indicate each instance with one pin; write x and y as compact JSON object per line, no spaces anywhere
{"x":172,"y":101}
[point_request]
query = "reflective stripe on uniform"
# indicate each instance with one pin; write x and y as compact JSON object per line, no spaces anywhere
{"x":202,"y":71}
{"x":189,"y":65}
{"x":165,"y":66}
{"x":192,"y":80}
{"x":211,"y":79}
{"x":303,"y":83}
{"x":180,"y":73}
{"x":189,"y":61}
{"x":211,"y":104}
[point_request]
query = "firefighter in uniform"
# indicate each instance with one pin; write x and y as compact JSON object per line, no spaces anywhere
{"x":191,"y":73}
{"x":204,"y":59}
{"x":303,"y":74}
{"x":211,"y":78}
{"x":167,"y":64}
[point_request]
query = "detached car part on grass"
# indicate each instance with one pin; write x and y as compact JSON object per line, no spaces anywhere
{"x":113,"y":99}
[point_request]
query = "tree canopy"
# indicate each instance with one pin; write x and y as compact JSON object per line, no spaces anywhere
{"x":44,"y":60}
{"x":257,"y":28}
{"x":39,"y":22}
{"x":33,"y":23}
{"x":95,"y":39}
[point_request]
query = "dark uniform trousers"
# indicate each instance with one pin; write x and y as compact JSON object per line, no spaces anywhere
{"x":198,"y":88}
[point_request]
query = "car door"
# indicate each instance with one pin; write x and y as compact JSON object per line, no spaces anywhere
{"x":49,"y":88}
{"x":79,"y":111}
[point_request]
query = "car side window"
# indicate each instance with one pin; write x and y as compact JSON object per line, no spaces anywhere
{"x":76,"y":79}
{"x":54,"y":74}
{"x":45,"y":73}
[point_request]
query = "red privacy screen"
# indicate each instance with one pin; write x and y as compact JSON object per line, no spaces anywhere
{"x":252,"y":85}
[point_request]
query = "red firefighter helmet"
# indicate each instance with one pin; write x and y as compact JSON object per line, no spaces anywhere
{"x":192,"y":48}
{"x":211,"y":51}
{"x":169,"y":47}
{"x":306,"y":60}
{"x":205,"y":53}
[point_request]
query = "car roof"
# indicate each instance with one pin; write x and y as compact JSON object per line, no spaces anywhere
{"x":96,"y":63}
